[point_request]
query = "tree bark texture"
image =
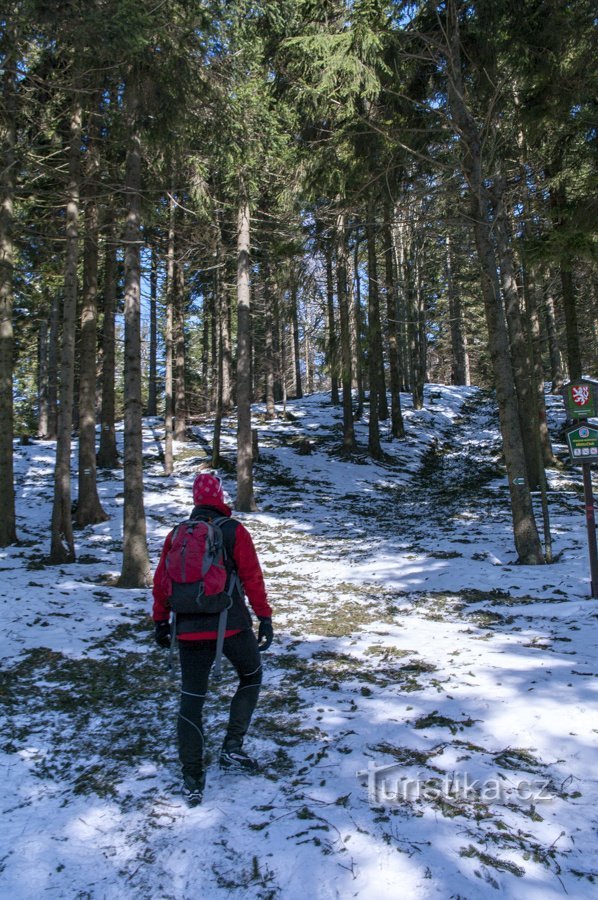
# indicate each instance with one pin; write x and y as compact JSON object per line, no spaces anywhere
{"x":62,"y":545}
{"x":402,"y":269}
{"x":168,"y":341}
{"x":8,"y":134}
{"x":214,"y":349}
{"x":245,"y":497}
{"x":571,"y":325}
{"x":42,"y":378}
{"x":421,"y":341}
{"x":332,"y":327}
{"x":269,"y":342}
{"x":282,"y":345}
{"x":556,"y":359}
{"x":220,"y":303}
{"x":108,"y":453}
{"x":460,"y":362}
{"x":397,"y":426}
{"x":53,"y":352}
{"x":527,"y":542}
{"x":152,"y":387}
{"x":520,"y":358}
{"x":135,"y":572}
{"x":225,"y":307}
{"x":89,"y":508}
{"x":353,"y":282}
{"x":530,"y":292}
{"x":208,"y":314}
{"x":346,"y":353}
{"x":374,"y":338}
{"x":180,"y":401}
{"x":413,"y":329}
{"x":296,"y":349}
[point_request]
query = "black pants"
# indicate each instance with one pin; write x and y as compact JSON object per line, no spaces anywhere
{"x":197,"y":658}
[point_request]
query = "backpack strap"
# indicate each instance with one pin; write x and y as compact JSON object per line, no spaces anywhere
{"x":220,"y":640}
{"x":229,"y":563}
{"x":172,"y":644}
{"x":214,"y":543}
{"x":222,"y":618}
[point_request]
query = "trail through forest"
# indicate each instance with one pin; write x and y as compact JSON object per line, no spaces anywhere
{"x":425,"y":727}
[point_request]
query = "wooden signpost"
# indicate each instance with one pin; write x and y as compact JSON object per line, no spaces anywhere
{"x":581,"y":401}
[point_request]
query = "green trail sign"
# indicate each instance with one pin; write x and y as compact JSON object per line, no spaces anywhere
{"x":581,"y":399}
{"x":583,"y":444}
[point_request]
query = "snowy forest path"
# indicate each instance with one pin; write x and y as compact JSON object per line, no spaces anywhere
{"x":408,"y":647}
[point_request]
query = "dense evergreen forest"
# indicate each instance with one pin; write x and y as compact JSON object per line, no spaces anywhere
{"x":206,"y":204}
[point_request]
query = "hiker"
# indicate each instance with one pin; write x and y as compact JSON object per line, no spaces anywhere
{"x":197,"y":638}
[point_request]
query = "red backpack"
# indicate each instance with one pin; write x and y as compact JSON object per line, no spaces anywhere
{"x":196,"y":576}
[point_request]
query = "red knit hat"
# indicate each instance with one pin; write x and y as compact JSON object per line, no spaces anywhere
{"x":207,"y":490}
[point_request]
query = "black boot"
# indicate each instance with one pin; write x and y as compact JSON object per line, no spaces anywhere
{"x":193,"y":788}
{"x":234,"y":759}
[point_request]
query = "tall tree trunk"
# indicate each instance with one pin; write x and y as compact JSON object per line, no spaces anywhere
{"x":53,"y":346}
{"x":277,"y":346}
{"x":374,"y":338}
{"x":532,"y":325}
{"x":571,"y":326}
{"x":225,"y":324}
{"x":8,"y":134}
{"x":227,"y":351}
{"x":343,"y":305}
{"x":460,"y":360}
{"x":530,"y":291}
{"x":42,"y":378}
{"x":152,"y":387}
{"x":135,"y":572}
{"x":356,"y":329}
{"x":527,"y":542}
{"x":296,"y":347}
{"x":218,"y":408}
{"x":214,"y":377}
{"x":556,"y":360}
{"x":168,"y":342}
{"x":404,"y":304}
{"x":521,"y":363}
{"x":332,"y":332}
{"x":89,"y":508}
{"x":268,"y":342}
{"x":401,"y":312}
{"x":413,"y":331}
{"x":180,"y":401}
{"x":308,"y":348}
{"x":397,"y":426}
{"x":108,"y":453}
{"x":62,"y":545}
{"x":282,"y":358}
{"x":220,"y":293}
{"x":205,"y":353}
{"x":421,"y":341}
{"x":372,"y":227}
{"x":269,"y":364}
{"x":245,"y":498}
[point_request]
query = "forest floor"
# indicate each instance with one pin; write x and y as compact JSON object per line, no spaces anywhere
{"x":427,"y":725}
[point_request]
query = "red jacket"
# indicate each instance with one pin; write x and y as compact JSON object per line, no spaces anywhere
{"x":248,"y":570}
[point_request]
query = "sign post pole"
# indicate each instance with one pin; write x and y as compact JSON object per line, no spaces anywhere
{"x":581,"y":401}
{"x":591,"y":526}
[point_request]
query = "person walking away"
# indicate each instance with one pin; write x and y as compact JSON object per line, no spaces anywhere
{"x":197,"y":632}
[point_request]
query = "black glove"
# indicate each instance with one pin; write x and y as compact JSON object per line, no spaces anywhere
{"x":265,"y":633}
{"x":162,"y":634}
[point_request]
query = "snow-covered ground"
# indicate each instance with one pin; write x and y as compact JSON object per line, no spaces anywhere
{"x":428,"y":723}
